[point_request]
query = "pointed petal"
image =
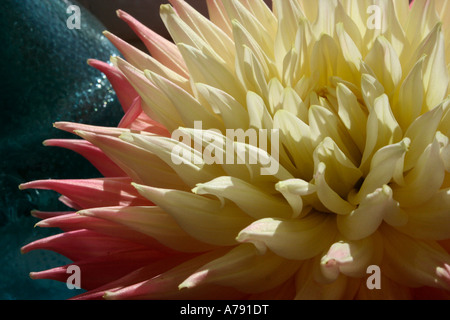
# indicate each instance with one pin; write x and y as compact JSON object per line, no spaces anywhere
{"x":83,"y":244}
{"x":91,"y":193}
{"x":93,"y":154}
{"x":99,"y":271}
{"x":125,"y":92}
{"x":141,"y":165}
{"x":151,"y":221}
{"x":192,"y":170}
{"x":160,"y":48}
{"x":203,"y":218}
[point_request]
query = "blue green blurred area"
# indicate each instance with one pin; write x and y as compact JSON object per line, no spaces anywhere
{"x":45,"y":78}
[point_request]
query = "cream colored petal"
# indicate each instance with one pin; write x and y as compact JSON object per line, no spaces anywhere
{"x":275,"y":98}
{"x":245,"y":269}
{"x":250,"y":199}
{"x":330,"y":198}
{"x":421,"y":20}
{"x":445,"y":154}
{"x":219,"y":17}
{"x":236,"y":10}
{"x":344,"y":288}
{"x":243,"y":39}
{"x":143,"y":61}
{"x":182,"y":33}
{"x":288,"y":14}
{"x":219,"y":41}
{"x":247,"y":163}
{"x":425,"y":179}
{"x":352,"y":115}
{"x":386,"y":164}
{"x":414,"y":262}
{"x":141,"y":165}
{"x":444,"y":126}
{"x":253,"y":74}
{"x":350,"y":51}
{"x":233,"y":113}
{"x":371,"y":89}
{"x":291,"y":68}
{"x":263,"y":13}
{"x":310,"y":9}
{"x":292,"y":102}
{"x":350,"y":258}
{"x":191,"y":167}
{"x":409,"y":101}
{"x":291,"y":239}
{"x":187,"y":106}
{"x":155,"y":103}
{"x":341,"y":174}
{"x":296,"y":137}
{"x":293,"y":190}
{"x":366,"y":219}
{"x":324,"y":59}
{"x":429,"y":221}
{"x":326,"y":18}
{"x":436,"y":78}
{"x":382,"y":129}
{"x":258,"y":112}
{"x":384,"y":61}
{"x":204,"y":219}
{"x":205,"y":69}
{"x":324,"y":123}
{"x":422,"y":132}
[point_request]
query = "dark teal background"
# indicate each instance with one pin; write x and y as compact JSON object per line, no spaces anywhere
{"x":44,"y":78}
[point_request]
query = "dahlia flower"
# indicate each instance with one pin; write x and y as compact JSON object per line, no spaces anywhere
{"x":357,"y":92}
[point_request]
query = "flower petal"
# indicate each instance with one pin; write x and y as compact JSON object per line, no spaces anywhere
{"x":291,"y":239}
{"x":204,"y":219}
{"x":251,"y":200}
{"x":245,"y":269}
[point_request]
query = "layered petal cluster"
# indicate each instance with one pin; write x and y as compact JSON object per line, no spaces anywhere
{"x":358,"y":92}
